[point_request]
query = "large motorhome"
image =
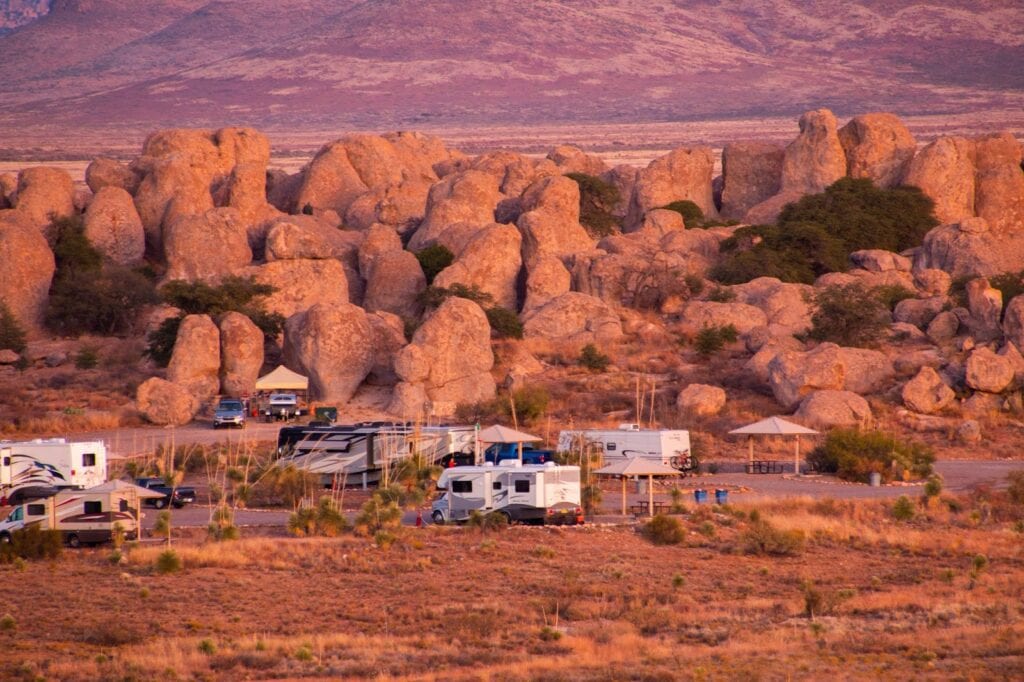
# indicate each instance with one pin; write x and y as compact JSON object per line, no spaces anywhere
{"x":81,"y":516}
{"x":537,"y":493}
{"x":39,"y":467}
{"x":360,"y":453}
{"x":670,"y":447}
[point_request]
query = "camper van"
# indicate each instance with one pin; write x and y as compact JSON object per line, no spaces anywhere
{"x":535,"y":493}
{"x":357,"y":454}
{"x":670,"y":447}
{"x":81,"y":516}
{"x":39,"y":467}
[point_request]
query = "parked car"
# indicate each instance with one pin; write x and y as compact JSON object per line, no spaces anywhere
{"x":282,"y":406}
{"x":178,"y":497}
{"x":229,"y":412}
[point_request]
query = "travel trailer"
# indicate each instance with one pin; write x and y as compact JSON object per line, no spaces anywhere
{"x":534,"y":493}
{"x":82,"y":516}
{"x":670,"y":447}
{"x":39,"y":467}
{"x":359,"y":453}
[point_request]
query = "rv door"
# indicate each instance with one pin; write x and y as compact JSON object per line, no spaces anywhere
{"x":5,"y":466}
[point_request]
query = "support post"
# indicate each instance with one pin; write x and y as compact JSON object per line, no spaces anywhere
{"x":650,"y":494}
{"x":796,"y":457}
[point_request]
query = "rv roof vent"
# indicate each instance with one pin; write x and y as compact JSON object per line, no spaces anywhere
{"x":549,"y":464}
{"x":488,"y":464}
{"x":510,"y":463}
{"x":629,"y":427}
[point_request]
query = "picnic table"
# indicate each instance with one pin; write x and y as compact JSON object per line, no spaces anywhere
{"x":641,"y":509}
{"x":764,"y":466}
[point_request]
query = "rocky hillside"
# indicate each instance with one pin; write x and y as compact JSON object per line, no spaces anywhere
{"x":397,"y":263}
{"x":15,"y":13}
{"x":307,"y":64}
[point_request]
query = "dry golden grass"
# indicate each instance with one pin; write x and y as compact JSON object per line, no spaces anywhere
{"x":897,"y":601}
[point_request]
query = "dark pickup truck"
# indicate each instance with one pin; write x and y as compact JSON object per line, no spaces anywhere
{"x":178,"y":497}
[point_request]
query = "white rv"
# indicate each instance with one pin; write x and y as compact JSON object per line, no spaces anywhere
{"x":536,"y":493}
{"x":82,"y":516}
{"x":670,"y":447}
{"x":44,"y":465}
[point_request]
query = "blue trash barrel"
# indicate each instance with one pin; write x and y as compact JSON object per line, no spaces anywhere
{"x":700,"y":496}
{"x":721,"y":496}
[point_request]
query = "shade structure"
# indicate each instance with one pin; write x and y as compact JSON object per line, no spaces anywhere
{"x":638,"y":466}
{"x":120,"y":486}
{"x":282,"y":379}
{"x":503,"y":434}
{"x":775,"y":426}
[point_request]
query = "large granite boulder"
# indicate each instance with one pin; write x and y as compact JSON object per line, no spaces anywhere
{"x":394,"y":282}
{"x":570,"y":159}
{"x":989,"y":372}
{"x":467,"y":197}
{"x":550,"y":220}
{"x":113,"y":226}
{"x":793,"y":374}
{"x":206,"y":247}
{"x":867,"y":371}
{"x":491,"y":261}
{"x":28,"y":265}
{"x":970,"y":248}
{"x":333,"y":346}
{"x":171,"y":188}
{"x":700,"y":314}
{"x":165,"y":403}
{"x":1013,"y":321}
{"x":999,"y":182}
{"x":547,"y":278}
{"x":752,"y":173}
{"x":684,"y":173}
{"x":102,"y":172}
{"x":701,"y":400}
{"x":44,"y":193}
{"x":830,"y":409}
{"x":241,"y":354}
{"x":878,"y":147}
{"x":944,"y":170}
{"x":301,"y":283}
{"x":195,"y":361}
{"x":574,"y":317}
{"x":388,"y":340}
{"x":927,"y":392}
{"x":448,"y":362}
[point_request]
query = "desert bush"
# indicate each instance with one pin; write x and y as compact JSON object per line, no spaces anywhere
{"x":597,"y":200}
{"x":378,"y":514}
{"x":933,"y":486}
{"x":12,"y":334}
{"x":891,"y":294}
{"x":721,"y":295}
{"x":234,"y":294}
{"x":31,"y":543}
{"x":711,"y":339}
{"x":168,"y":562}
{"x":817,"y":602}
{"x":531,"y":402}
{"x":1010,"y":284}
{"x":160,"y":342}
{"x":853,"y":455}
{"x":324,"y":519}
{"x":692,"y":215}
{"x":651,"y":287}
{"x":849,"y":315}
{"x":903,"y":509}
{"x":206,"y":646}
{"x":593,"y":359}
{"x":487,"y":522}
{"x":432,"y":296}
{"x":1015,"y":490}
{"x":800,"y":252}
{"x":86,"y":358}
{"x":504,"y":323}
{"x":433,"y":260}
{"x":7,"y":623}
{"x":763,"y":538}
{"x":664,"y":530}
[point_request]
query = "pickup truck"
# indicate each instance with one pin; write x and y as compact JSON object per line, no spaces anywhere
{"x":282,"y":406}
{"x":178,"y":497}
{"x":499,"y":452}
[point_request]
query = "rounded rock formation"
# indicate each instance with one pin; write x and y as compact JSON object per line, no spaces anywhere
{"x":28,"y":265}
{"x":195,"y":361}
{"x":701,"y":400}
{"x":113,"y":226}
{"x":333,"y":346}
{"x":926,"y":392}
{"x":241,"y":354}
{"x":165,"y":403}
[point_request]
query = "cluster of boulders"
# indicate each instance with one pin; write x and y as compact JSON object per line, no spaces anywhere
{"x":337,"y":242}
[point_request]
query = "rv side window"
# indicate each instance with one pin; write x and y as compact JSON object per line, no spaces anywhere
{"x":37,"y":510}
{"x":496,"y":485}
{"x":522,"y":486}
{"x":93,"y":507}
{"x":123,"y":505}
{"x":462,"y":486}
{"x":610,"y":447}
{"x":88,"y":459}
{"x":7,"y":461}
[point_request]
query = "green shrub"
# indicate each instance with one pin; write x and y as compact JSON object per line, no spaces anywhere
{"x":433,"y":260}
{"x":380,"y":513}
{"x":234,"y":294}
{"x":711,"y":339}
{"x":207,"y":647}
{"x":853,"y":455}
{"x":816,"y":234}
{"x":721,"y":295}
{"x":597,"y":201}
{"x":761,"y":537}
{"x":504,"y":323}
{"x":849,"y":315}
{"x":692,"y":215}
{"x":432,"y":296}
{"x":531,"y":402}
{"x":12,"y":334}
{"x":889,"y":295}
{"x":1010,"y":284}
{"x":7,"y":623}
{"x":325,"y":519}
{"x":485,"y":522}
{"x":664,"y":530}
{"x":168,"y":562}
{"x":593,"y":359}
{"x":86,"y":358}
{"x":31,"y":543}
{"x":863,"y":216}
{"x":160,"y":342}
{"x":87,"y":295}
{"x":933,"y":486}
{"x":903,"y":509}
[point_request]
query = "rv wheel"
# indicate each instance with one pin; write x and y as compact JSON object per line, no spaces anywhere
{"x":73,"y":541}
{"x":438,"y":518}
{"x":508,"y":517}
{"x":5,"y":538}
{"x":160,"y":503}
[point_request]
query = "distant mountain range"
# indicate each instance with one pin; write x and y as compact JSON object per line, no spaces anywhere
{"x":315,"y":64}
